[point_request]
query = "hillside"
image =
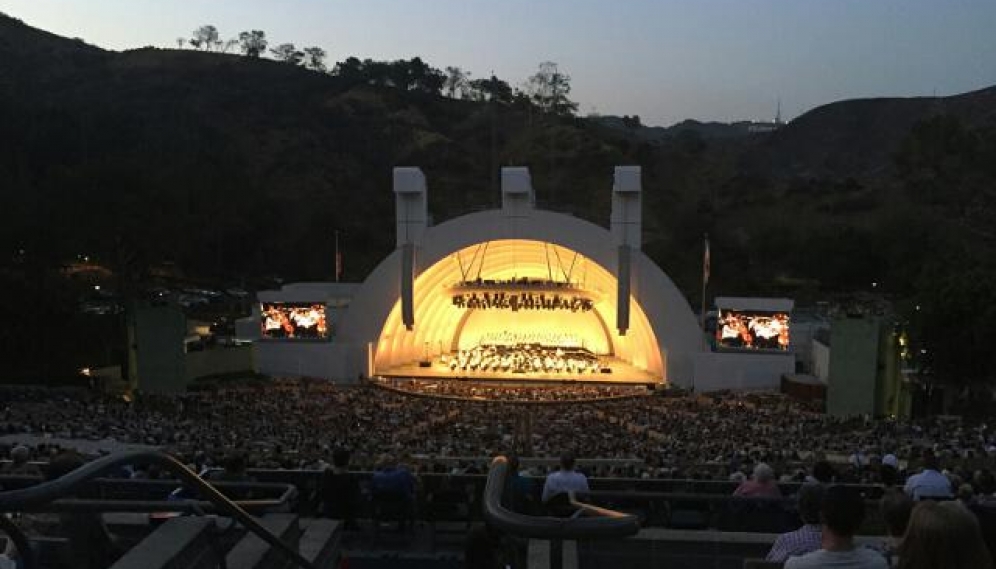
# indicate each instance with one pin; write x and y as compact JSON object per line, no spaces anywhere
{"x":239,"y":170}
{"x":859,"y":138}
{"x":230,"y":166}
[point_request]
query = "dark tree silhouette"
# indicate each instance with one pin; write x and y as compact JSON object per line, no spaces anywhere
{"x":457,"y":82}
{"x":252,"y":43}
{"x":550,"y":87}
{"x":492,"y":89}
{"x":287,"y":53}
{"x":314,"y":58}
{"x":206,"y":38}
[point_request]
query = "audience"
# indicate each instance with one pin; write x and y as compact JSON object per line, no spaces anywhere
{"x":518,"y":494}
{"x":91,"y":544}
{"x":761,"y":485}
{"x":340,"y":490}
{"x":896,"y":509}
{"x":294,"y":424}
{"x":19,"y":465}
{"x":943,"y":535}
{"x":456,"y":426}
{"x":929,"y":483}
{"x":392,"y":481}
{"x":808,"y":538}
{"x":841,"y":514}
{"x":561,"y":484}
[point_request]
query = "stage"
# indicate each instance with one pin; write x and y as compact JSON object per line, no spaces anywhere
{"x":622,"y":374}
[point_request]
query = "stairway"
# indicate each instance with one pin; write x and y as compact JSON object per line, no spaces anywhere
{"x":200,"y":542}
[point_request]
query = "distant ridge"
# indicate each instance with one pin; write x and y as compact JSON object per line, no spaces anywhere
{"x":709,"y":129}
{"x":225,"y":165}
{"x":858,"y":137}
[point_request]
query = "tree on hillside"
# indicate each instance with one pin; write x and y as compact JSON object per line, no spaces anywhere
{"x":314,"y":58}
{"x":180,"y":42}
{"x":492,"y":89}
{"x":416,"y":75}
{"x":457,"y":82}
{"x":253,"y":43}
{"x":349,"y":70}
{"x":287,"y":53}
{"x":406,"y":75}
{"x":550,"y":87}
{"x":205,"y":37}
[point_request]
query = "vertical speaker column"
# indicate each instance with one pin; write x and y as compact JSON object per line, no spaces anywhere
{"x":412,"y":219}
{"x":626,"y":224}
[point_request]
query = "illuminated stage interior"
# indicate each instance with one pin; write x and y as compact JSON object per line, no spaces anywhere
{"x":518,"y":310}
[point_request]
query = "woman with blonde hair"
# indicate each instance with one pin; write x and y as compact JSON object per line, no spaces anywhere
{"x":943,"y":535}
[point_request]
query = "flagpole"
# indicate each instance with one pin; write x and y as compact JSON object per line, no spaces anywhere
{"x":705,"y":279}
{"x":338,"y":262}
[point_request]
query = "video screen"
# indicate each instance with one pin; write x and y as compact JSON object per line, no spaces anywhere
{"x":743,"y":330}
{"x":294,"y":320}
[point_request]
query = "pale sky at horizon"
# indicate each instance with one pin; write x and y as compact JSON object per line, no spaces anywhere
{"x":663,"y":60}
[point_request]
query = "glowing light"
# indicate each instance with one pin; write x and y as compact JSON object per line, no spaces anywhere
{"x":512,"y":260}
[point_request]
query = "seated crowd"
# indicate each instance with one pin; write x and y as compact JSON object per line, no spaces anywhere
{"x":297,"y":423}
{"x":509,"y":392}
{"x":302,"y":424}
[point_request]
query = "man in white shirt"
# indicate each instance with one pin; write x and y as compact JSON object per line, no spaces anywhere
{"x":841,"y":514}
{"x":930,"y":483}
{"x":564,"y":480}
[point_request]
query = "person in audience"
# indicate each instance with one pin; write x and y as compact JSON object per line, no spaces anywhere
{"x":519,"y":494}
{"x":392,"y":481}
{"x":761,"y":485}
{"x":563,"y":483}
{"x":841,"y":514}
{"x":888,"y":474}
{"x":340,"y":490}
{"x":19,"y":463}
{"x":823,"y":473}
{"x":929,"y":483}
{"x":896,"y":509}
{"x":808,"y":537}
{"x":233,"y":470}
{"x":984,"y":484}
{"x":943,"y":535}
{"x":91,"y":544}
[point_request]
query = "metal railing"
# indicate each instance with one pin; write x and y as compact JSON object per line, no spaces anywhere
{"x":49,"y":497}
{"x":587,"y":522}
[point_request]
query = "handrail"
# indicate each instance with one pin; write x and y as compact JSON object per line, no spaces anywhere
{"x":34,"y":496}
{"x":596,"y":523}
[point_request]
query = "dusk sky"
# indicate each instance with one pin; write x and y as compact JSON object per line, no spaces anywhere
{"x":663,"y":60}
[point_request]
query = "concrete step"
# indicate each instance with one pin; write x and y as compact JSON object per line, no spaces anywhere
{"x":251,"y":552}
{"x":180,"y":543}
{"x":321,"y":542}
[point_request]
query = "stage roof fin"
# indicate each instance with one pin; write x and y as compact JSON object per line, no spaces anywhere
{"x":517,"y":197}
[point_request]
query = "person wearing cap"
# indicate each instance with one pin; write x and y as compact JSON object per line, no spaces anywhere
{"x":19,"y":465}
